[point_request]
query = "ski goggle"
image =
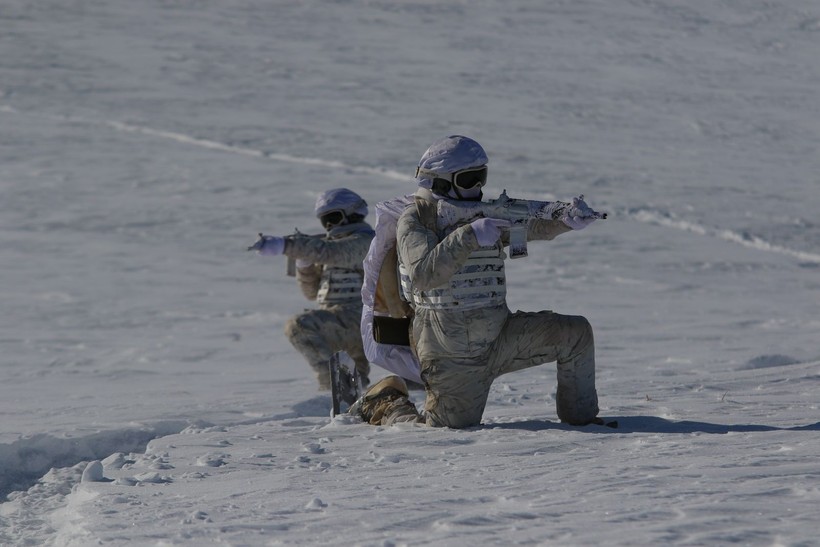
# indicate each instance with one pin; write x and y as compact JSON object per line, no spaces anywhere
{"x":331,"y":219}
{"x":464,"y":178}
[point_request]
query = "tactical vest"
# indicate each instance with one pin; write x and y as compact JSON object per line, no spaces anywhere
{"x":339,"y":285}
{"x":479,"y":283}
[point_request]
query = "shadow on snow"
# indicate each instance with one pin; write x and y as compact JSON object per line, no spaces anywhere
{"x":649,"y":424}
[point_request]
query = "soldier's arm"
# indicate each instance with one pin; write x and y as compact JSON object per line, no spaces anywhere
{"x":430,"y":262}
{"x":345,"y":252}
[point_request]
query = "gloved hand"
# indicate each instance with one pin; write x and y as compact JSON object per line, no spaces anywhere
{"x":488,"y":230}
{"x":578,"y":215}
{"x":302,"y":263}
{"x":268,"y":245}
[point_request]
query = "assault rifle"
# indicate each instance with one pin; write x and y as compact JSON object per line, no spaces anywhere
{"x":518,"y":211}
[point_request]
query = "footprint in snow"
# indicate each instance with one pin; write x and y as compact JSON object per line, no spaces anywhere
{"x":197,"y":516}
{"x":152,"y":478}
{"x":212,"y":460}
{"x":94,"y":473}
{"x":313,"y":448}
{"x":117,"y":461}
{"x":315,"y":504}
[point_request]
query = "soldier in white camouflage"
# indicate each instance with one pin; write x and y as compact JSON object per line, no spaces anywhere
{"x":463,"y":333}
{"x":329,"y":271}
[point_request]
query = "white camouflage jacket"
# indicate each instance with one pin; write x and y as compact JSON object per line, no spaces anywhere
{"x":334,"y":275}
{"x":431,"y":260}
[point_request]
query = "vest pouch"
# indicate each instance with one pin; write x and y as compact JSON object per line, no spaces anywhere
{"x":390,"y":330}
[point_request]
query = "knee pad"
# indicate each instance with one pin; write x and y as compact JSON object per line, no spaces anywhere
{"x":292,"y":328}
{"x":298,"y":326}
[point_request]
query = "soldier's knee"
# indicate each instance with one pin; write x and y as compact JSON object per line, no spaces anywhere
{"x":582,"y":331}
{"x":453,"y":422}
{"x":298,"y":326}
{"x":292,"y":328}
{"x":438,"y":415}
{"x":583,"y":325}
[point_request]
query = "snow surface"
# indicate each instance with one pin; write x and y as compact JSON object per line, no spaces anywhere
{"x":149,"y":397}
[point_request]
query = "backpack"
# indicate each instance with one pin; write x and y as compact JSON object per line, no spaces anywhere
{"x":386,"y":316}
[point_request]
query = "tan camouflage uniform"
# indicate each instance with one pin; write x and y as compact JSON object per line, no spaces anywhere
{"x":463,"y":352}
{"x":334,"y":280}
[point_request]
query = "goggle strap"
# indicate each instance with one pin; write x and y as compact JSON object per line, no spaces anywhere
{"x":449,"y":176}
{"x":427,"y":173}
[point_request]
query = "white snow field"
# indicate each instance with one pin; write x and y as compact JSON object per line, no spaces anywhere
{"x":148,"y":395}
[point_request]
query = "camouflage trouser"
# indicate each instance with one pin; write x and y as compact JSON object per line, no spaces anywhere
{"x":318,"y":334}
{"x":457,"y":391}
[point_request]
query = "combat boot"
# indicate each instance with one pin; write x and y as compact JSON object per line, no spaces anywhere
{"x":386,"y":403}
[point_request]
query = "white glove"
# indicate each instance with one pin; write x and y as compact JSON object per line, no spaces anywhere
{"x":269,"y":245}
{"x":488,"y":230}
{"x":578,"y":215}
{"x":302,"y":263}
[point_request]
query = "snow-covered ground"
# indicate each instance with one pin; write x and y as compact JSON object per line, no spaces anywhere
{"x":144,"y":144}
